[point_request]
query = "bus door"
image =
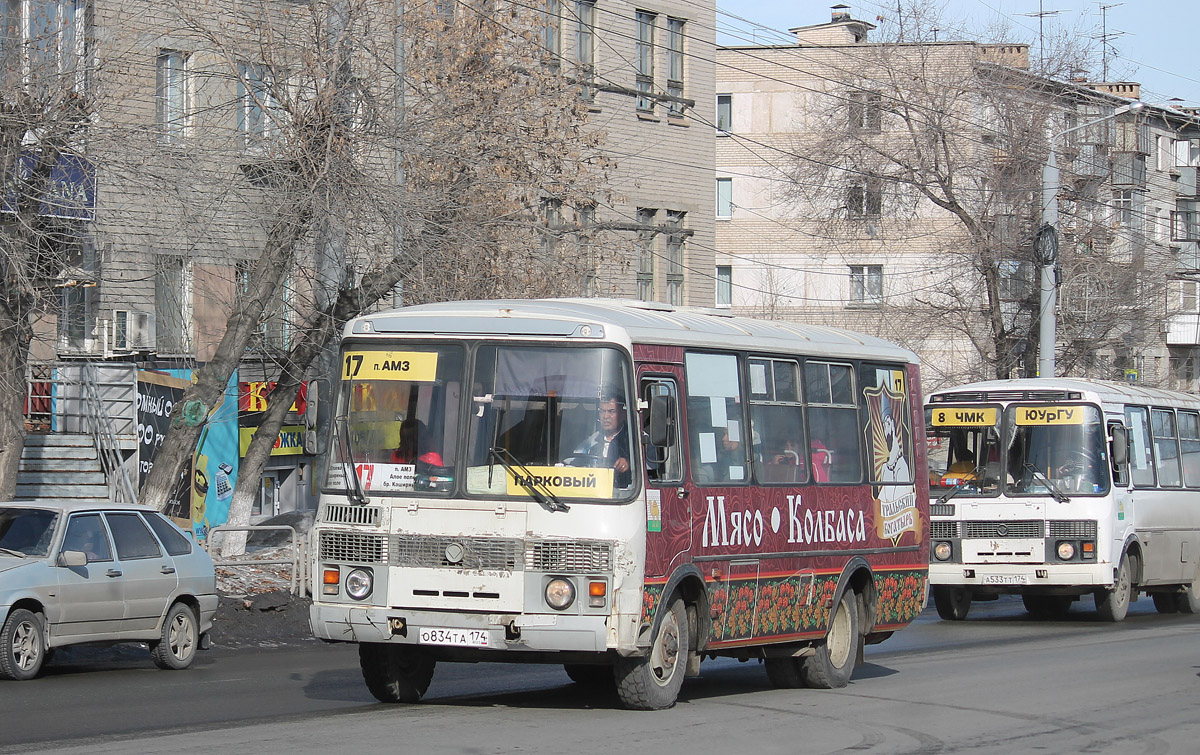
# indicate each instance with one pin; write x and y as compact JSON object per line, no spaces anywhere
{"x":734,"y":598}
{"x":668,"y":505}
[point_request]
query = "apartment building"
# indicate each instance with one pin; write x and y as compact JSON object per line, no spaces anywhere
{"x":896,"y":189}
{"x":174,"y":167}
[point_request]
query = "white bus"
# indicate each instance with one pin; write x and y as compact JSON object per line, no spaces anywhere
{"x":623,"y":488}
{"x":1055,"y":489}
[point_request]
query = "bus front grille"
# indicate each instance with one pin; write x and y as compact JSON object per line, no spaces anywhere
{"x":943,"y":530}
{"x":343,"y":514}
{"x":446,"y":552}
{"x":1022,"y":528}
{"x":568,"y":556}
{"x":1082,"y":529}
{"x":352,"y":546}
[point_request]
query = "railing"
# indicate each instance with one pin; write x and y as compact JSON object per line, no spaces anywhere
{"x":106,"y":441}
{"x":297,"y":561}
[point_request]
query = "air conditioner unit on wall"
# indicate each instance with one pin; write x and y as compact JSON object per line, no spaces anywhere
{"x":132,"y":331}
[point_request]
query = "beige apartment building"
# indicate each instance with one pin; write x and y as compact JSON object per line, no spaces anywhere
{"x":896,"y":189}
{"x":179,"y":153}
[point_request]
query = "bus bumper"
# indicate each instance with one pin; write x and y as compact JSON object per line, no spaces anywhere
{"x":1018,"y":578}
{"x":503,"y":632}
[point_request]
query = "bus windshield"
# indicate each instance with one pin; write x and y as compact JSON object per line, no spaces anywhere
{"x":551,"y":421}
{"x":964,"y":450}
{"x":1055,"y":450}
{"x":397,"y":418}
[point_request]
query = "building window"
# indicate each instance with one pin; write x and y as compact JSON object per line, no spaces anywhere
{"x":724,"y":113}
{"x":675,"y":66}
{"x":647,"y":234}
{"x":51,"y":39}
{"x":552,"y":31}
{"x":864,"y":199}
{"x":552,"y":220}
{"x":585,"y":46}
{"x":865,"y":111}
{"x":258,"y":107}
{"x":866,"y":284}
{"x":724,"y":286}
{"x":171,"y":96}
{"x":1015,"y":279}
{"x":586,"y":220}
{"x":675,"y":251}
{"x":644,"y":59}
{"x":173,"y":305}
{"x":724,"y":197}
{"x":1185,"y":225}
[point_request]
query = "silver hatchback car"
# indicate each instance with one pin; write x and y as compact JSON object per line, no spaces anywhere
{"x":76,"y":572}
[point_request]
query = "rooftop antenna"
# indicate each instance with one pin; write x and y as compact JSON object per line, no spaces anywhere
{"x":1041,"y":15}
{"x":1105,"y":37}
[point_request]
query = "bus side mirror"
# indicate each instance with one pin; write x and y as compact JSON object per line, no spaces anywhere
{"x":1120,"y":445}
{"x":662,"y":421}
{"x":312,"y":439}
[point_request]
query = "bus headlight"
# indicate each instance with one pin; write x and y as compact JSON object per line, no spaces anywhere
{"x":942,"y":551}
{"x":358,"y":583}
{"x":560,"y":594}
{"x":1066,"y":551}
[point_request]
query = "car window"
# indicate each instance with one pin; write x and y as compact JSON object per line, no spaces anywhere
{"x":86,"y":533}
{"x":131,"y":536}
{"x":27,"y":531}
{"x":172,"y":539}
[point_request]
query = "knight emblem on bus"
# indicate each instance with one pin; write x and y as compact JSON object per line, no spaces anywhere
{"x":889,"y":436}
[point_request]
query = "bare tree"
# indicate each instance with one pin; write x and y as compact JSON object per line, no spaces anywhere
{"x":445,"y":165}
{"x":46,"y":99}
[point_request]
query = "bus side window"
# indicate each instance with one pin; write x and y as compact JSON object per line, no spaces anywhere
{"x":664,"y":464}
{"x":1189,"y":447}
{"x":1141,"y":463}
{"x":835,"y":442}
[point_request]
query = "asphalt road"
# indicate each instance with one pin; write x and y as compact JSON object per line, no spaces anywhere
{"x":996,"y":683}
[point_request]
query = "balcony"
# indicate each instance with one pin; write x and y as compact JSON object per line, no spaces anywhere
{"x":1183,"y":330}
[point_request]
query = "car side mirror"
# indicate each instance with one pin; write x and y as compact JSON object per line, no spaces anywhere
{"x":1120,"y":445}
{"x":662,"y":421}
{"x":72,"y":558}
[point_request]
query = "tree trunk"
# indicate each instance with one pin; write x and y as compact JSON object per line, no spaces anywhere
{"x":193,"y":409}
{"x":14,"y":359}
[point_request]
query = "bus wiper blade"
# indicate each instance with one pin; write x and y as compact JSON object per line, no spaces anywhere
{"x":526,"y":479}
{"x":1055,"y":491}
{"x":976,"y":472}
{"x":357,"y":494}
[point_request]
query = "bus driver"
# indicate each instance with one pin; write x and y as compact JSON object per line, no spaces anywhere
{"x":610,"y":444}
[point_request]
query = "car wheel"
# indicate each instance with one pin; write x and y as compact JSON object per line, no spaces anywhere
{"x":22,"y":645}
{"x":176,"y":649}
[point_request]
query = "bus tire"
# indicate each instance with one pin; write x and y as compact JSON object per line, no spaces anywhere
{"x":1166,"y":602}
{"x":832,"y":664}
{"x":590,"y":675}
{"x":785,"y":673}
{"x":1188,"y":601}
{"x":952,"y":603}
{"x":652,"y":682}
{"x":1113,"y":605}
{"x":395,"y":673}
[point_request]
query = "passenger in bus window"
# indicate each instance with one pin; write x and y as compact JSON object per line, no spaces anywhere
{"x":412,"y":435}
{"x":608,"y":446}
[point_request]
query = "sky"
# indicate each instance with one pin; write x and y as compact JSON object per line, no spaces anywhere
{"x":1150,"y":40}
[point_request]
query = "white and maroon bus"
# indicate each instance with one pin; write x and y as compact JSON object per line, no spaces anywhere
{"x":623,"y":488}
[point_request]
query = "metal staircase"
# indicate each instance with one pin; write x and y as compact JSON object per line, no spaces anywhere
{"x":61,"y":465}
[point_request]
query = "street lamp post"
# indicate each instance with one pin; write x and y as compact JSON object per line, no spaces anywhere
{"x":1046,"y":248}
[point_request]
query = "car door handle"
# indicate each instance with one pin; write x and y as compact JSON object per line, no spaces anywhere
{"x":167,"y":570}
{"x":113,"y":573}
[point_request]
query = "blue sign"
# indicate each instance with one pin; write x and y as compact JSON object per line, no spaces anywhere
{"x":72,"y":191}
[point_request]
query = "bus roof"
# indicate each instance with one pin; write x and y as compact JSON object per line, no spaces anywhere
{"x":1061,"y":389}
{"x":645,"y":322}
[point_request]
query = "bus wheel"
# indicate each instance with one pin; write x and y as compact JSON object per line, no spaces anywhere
{"x":833,"y":663}
{"x":395,"y":673}
{"x":1112,"y":605}
{"x":953,"y":603}
{"x":653,"y":682}
{"x":1166,"y":602}
{"x":1188,"y":601}
{"x":785,"y":673}
{"x":1047,"y":606}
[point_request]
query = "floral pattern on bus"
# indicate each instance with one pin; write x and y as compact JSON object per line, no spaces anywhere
{"x":651,"y":598}
{"x":900,"y":596}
